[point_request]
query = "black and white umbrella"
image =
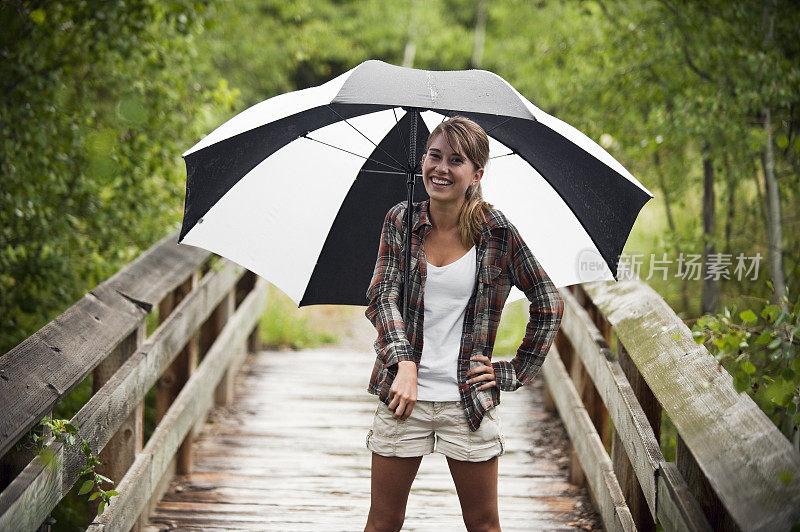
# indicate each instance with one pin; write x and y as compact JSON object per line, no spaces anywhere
{"x":296,"y":187}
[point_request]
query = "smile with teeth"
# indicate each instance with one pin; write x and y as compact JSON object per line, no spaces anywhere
{"x":439,"y":181}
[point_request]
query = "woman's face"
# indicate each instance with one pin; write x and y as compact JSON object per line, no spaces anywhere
{"x":447,"y":173}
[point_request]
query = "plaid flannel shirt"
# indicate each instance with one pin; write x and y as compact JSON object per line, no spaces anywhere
{"x":503,"y":259}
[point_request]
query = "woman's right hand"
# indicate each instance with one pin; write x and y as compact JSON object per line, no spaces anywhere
{"x":403,"y":392}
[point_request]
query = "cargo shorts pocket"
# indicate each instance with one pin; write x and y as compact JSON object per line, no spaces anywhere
{"x":385,"y":427}
{"x":489,"y":433}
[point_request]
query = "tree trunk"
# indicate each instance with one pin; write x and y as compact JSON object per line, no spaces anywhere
{"x":410,"y":50}
{"x":710,"y":295}
{"x":662,"y":183}
{"x":480,"y":35}
{"x":731,"y":181}
{"x":774,"y":226}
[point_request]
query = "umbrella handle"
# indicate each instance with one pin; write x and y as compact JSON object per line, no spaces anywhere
{"x":412,"y":164}
{"x":407,"y":269}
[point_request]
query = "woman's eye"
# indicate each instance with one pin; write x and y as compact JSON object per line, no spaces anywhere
{"x":456,"y":160}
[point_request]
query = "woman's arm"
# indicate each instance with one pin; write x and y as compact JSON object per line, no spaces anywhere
{"x":546,"y":309}
{"x":384,"y":313}
{"x":384,"y":291}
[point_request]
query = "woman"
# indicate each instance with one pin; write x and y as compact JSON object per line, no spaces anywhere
{"x":437,"y":385}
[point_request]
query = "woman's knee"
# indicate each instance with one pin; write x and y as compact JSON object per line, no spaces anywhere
{"x":482,"y":522}
{"x":384,"y":522}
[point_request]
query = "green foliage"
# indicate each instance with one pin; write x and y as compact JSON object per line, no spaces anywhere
{"x":759,"y":348}
{"x":98,"y":100}
{"x":283,"y":325}
{"x":62,"y":430}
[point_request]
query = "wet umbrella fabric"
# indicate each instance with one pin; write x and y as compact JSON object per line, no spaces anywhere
{"x":296,"y":187}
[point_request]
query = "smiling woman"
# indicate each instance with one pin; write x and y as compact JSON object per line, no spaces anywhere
{"x":438,"y":388}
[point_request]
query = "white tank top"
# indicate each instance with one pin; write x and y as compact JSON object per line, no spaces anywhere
{"x":446,"y":294}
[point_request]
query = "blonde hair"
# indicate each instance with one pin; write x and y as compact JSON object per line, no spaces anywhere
{"x":467,"y":137}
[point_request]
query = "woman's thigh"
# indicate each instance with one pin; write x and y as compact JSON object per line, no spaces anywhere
{"x":476,"y":485}
{"x":392,"y":477}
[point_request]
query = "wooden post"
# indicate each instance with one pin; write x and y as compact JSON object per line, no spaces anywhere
{"x":121,"y":450}
{"x":622,"y":465}
{"x":566,"y":350}
{"x":223,"y":395}
{"x":171,"y":382}
{"x":712,"y":507}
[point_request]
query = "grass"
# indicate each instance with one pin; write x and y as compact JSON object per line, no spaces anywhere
{"x":284,"y":326}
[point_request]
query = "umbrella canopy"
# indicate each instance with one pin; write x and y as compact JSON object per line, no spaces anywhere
{"x":296,"y":187}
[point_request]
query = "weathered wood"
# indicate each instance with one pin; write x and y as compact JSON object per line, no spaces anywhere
{"x":41,"y":370}
{"x":104,"y":413}
{"x":177,"y":374}
{"x":630,"y":421}
{"x":30,"y":497}
{"x":732,"y":440}
{"x":120,"y":451}
{"x":698,"y":485}
{"x":629,"y":483}
{"x":223,"y":395}
{"x":285,"y":458}
{"x":644,"y":395}
{"x":678,"y":509}
{"x":158,"y":271}
{"x":192,"y":402}
{"x":596,"y":464}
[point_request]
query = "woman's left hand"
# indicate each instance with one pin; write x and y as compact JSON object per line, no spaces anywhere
{"x":482,"y":373}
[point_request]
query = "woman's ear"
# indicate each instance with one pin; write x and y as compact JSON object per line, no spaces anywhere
{"x":478,"y":175}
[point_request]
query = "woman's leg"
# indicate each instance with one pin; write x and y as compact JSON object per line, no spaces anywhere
{"x":476,"y":485}
{"x":391,"y":481}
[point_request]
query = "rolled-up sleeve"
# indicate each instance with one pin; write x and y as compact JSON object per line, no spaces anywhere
{"x":546,"y":309}
{"x":384,"y":292}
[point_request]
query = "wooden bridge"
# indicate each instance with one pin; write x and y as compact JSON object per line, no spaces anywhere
{"x":243,"y":442}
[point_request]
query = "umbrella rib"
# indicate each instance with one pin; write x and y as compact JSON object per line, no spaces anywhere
{"x":504,"y":155}
{"x":400,"y":135}
{"x":385,"y":172}
{"x":498,"y":125}
{"x":356,"y":154}
{"x":363,"y":135}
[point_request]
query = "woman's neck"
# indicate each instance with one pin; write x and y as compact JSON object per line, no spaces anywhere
{"x":444,"y":216}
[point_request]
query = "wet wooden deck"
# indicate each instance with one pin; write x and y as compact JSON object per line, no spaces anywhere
{"x":290,"y":455}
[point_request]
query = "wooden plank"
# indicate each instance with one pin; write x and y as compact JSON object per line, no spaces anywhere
{"x":630,"y":421}
{"x":32,"y":495}
{"x":104,"y":413}
{"x":290,"y":459}
{"x":158,"y":271}
{"x":223,"y":395}
{"x":41,"y":370}
{"x":678,"y":509}
{"x":595,"y":462}
{"x":120,"y":451}
{"x":194,"y":399}
{"x":733,"y":441}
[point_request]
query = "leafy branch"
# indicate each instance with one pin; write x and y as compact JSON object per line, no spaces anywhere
{"x":65,"y":432}
{"x":759,"y":347}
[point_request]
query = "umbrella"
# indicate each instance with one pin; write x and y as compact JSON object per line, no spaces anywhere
{"x":296,"y":187}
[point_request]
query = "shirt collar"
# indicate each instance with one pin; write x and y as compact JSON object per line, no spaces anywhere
{"x":493,"y":219}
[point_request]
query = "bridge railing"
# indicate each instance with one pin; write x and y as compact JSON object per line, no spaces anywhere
{"x":208,"y":312}
{"x":626,"y":357}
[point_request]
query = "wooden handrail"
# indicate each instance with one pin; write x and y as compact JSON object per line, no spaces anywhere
{"x":730,"y":459}
{"x":42,"y":369}
{"x":109,"y":338}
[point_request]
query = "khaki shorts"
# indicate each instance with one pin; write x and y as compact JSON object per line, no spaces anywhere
{"x":439,"y":425}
